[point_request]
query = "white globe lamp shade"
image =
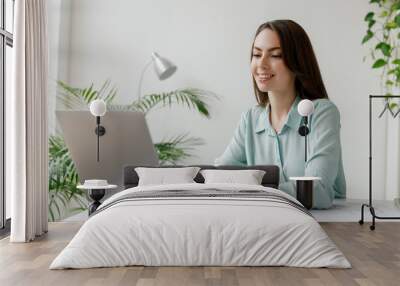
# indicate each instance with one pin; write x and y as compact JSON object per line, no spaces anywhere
{"x":305,"y":107}
{"x":98,"y":107}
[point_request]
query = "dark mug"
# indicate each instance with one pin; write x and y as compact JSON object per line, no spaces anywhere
{"x":304,"y":193}
{"x":304,"y":190}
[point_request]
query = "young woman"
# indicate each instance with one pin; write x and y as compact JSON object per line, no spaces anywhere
{"x":285,"y":71}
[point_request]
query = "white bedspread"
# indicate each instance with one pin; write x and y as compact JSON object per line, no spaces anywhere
{"x":200,"y":231}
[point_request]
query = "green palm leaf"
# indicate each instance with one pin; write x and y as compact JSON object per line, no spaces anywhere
{"x":120,"y":107}
{"x":63,"y":179}
{"x":173,"y":150}
{"x":78,"y":99}
{"x":190,"y":97}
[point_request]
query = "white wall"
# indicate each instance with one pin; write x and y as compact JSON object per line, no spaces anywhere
{"x":59,"y":29}
{"x":210,"y":42}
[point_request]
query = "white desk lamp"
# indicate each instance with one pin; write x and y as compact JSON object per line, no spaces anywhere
{"x":98,"y":108}
{"x":162,"y":67}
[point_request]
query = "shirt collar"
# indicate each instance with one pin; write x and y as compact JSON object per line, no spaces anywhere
{"x":263,"y":121}
{"x":293,"y":120}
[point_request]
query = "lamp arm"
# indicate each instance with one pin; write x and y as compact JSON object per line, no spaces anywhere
{"x":139,"y":92}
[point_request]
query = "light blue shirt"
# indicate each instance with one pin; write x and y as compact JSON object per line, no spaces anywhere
{"x":255,"y":142}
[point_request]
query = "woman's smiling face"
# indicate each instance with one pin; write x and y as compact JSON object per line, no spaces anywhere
{"x":267,"y":65}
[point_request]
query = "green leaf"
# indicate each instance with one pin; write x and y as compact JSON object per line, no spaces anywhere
{"x":369,"y":16}
{"x":396,"y":62}
{"x":384,"y":47}
{"x":374,"y":1}
{"x":62,"y":178}
{"x":367,"y":37}
{"x":391,"y":25}
{"x":79,"y":99}
{"x":395,"y":6}
{"x":392,"y":71}
{"x":171,"y":151}
{"x":389,"y":82}
{"x":190,"y":97}
{"x":397,"y":20}
{"x":371,"y":23}
{"x":392,"y":105}
{"x":383,"y":14}
{"x":379,"y":63}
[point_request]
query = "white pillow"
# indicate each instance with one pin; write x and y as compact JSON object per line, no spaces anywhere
{"x":164,"y":176}
{"x":248,"y":177}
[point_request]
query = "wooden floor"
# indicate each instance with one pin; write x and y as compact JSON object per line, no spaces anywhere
{"x":374,"y":255}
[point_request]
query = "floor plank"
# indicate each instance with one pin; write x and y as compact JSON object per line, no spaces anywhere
{"x":374,"y":255}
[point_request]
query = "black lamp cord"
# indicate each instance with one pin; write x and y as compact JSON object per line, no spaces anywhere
{"x":98,"y":137}
{"x":305,"y":138}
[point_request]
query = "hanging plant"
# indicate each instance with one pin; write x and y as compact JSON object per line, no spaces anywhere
{"x":383,"y":37}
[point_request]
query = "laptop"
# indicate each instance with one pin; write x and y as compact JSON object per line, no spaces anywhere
{"x":126,"y":141}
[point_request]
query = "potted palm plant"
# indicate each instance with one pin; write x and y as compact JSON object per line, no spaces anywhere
{"x":63,"y":177}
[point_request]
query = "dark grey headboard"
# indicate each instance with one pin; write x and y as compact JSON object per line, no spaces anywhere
{"x":270,"y":179}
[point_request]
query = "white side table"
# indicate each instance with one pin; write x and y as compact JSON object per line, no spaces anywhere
{"x":96,"y":193}
{"x":304,"y":190}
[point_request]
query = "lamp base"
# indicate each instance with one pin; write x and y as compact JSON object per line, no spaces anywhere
{"x":100,"y":130}
{"x":303,"y":130}
{"x":96,"y":195}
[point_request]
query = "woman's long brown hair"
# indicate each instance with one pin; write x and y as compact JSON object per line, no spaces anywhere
{"x":299,"y":57}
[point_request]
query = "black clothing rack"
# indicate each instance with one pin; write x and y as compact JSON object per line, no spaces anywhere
{"x":369,"y":205}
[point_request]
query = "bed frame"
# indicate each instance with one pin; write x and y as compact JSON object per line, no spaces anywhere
{"x":270,"y":179}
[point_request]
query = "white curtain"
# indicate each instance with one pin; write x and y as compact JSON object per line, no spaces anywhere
{"x":27,"y":151}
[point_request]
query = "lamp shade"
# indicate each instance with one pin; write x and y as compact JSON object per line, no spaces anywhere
{"x":163,"y":67}
{"x":305,"y":107}
{"x":98,"y":107}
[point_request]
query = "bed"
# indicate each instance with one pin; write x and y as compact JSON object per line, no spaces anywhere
{"x":198,"y":224}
